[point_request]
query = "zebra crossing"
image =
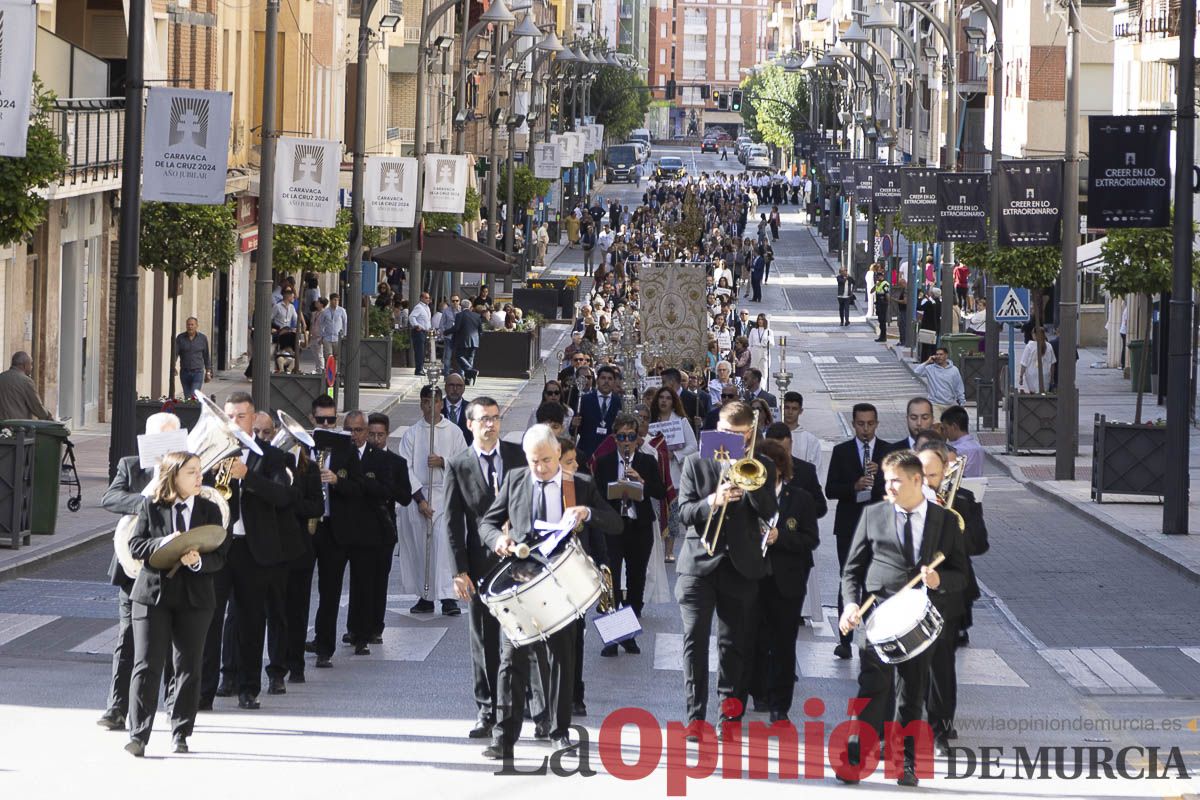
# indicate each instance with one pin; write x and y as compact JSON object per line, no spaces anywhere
{"x":848,"y":377}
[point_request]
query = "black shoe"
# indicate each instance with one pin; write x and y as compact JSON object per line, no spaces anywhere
{"x":275,"y":686}
{"x":779,"y":716}
{"x":541,"y":732}
{"x":422,"y":606}
{"x":842,"y":651}
{"x":497,"y":752}
{"x":608,"y":651}
{"x":419,"y":372}
{"x":179,"y":745}
{"x":450,"y":609}
{"x":248,"y":702}
{"x":909,"y":778}
{"x":362,"y":650}
{"x":482,"y":729}
{"x":562,"y":743}
{"x":631,"y":647}
{"x":941,"y":745}
{"x":111,"y":722}
{"x":296,"y":677}
{"x":963,"y":640}
{"x":346,"y":638}
{"x":224,"y":690}
{"x":578,"y":709}
{"x":311,"y":646}
{"x":205,"y":705}
{"x":952,"y":733}
{"x":135,"y":748}
{"x":377,"y":639}
{"x":853,"y":758}
{"x":324,"y":662}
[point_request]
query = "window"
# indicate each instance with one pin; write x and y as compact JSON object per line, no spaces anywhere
{"x":662,"y":57}
{"x":662,"y":30}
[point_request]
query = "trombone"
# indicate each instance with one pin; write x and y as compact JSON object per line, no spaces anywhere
{"x":746,"y":474}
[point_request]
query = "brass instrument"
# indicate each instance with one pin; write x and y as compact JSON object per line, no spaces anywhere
{"x":322,"y":458}
{"x":746,"y":474}
{"x":766,"y":527}
{"x":223,"y":478}
{"x":291,"y":434}
{"x":608,"y":595}
{"x":949,"y":488}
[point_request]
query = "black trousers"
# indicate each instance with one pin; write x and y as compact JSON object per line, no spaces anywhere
{"x":732,"y":596}
{"x":465,"y":357}
{"x":155,"y":630}
{"x":248,"y":583}
{"x":774,"y":681}
{"x":382,"y":566}
{"x":122,"y":663}
{"x":881,"y":311}
{"x":484,"y":639}
{"x":229,"y":648}
{"x":332,"y":559}
{"x":902,"y":322}
{"x":942,"y":700}
{"x":844,"y":310}
{"x":580,"y":632}
{"x":843,"y":551}
{"x":515,"y":675}
{"x":756,"y":286}
{"x":287,"y":627}
{"x":420,"y":348}
{"x":630,"y":551}
{"x":893,"y":692}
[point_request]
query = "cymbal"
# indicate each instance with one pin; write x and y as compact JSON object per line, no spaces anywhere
{"x":203,"y":539}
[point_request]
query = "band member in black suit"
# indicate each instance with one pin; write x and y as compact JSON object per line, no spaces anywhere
{"x":260,"y":489}
{"x":635,"y":539}
{"x":597,"y":412}
{"x":853,"y":480}
{"x":378,"y":428}
{"x":124,"y":496}
{"x":171,"y":610}
{"x":893,"y":543}
{"x":726,"y":581}
{"x":472,"y":479}
{"x":942,"y":700}
{"x":791,"y":538}
{"x":516,"y":505}
{"x":454,"y":407}
{"x":804,"y":474}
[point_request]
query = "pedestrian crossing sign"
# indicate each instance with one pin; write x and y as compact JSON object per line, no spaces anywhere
{"x":1011,"y":304}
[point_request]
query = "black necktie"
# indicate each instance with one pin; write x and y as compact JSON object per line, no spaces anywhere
{"x":603,"y":405}
{"x":908,"y":540}
{"x":491,"y":469}
{"x":180,"y":522}
{"x":541,"y":503}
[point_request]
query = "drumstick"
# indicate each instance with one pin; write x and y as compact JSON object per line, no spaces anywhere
{"x":938,"y":558}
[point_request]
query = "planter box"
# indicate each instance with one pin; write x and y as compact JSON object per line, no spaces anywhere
{"x":1031,"y":420}
{"x":542,"y":301}
{"x":402,"y":358}
{"x":188,"y":413}
{"x":567,"y":296}
{"x":293,"y":394}
{"x":507,"y":355}
{"x":1127,"y":459}
{"x":375,"y":362}
{"x":16,"y":488}
{"x":971,"y":366}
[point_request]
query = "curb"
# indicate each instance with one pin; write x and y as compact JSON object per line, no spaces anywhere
{"x":1085,"y":512}
{"x":38,"y":559}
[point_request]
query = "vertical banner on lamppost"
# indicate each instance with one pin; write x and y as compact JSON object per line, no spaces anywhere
{"x":962,"y":202}
{"x":445,"y":184}
{"x":885,"y":191}
{"x":1129,"y":171}
{"x":863,"y":183}
{"x":545,"y":160}
{"x":1030,"y":203}
{"x":389,"y":191}
{"x":306,"y":182}
{"x":918,"y":196}
{"x":18,"y":30}
{"x":599,"y":136}
{"x":848,"y":178}
{"x":575,"y":146}
{"x":563,"y":145}
{"x":186,"y":146}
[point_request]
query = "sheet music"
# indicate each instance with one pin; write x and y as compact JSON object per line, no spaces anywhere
{"x":618,"y":626}
{"x":153,"y":446}
{"x":555,"y":532}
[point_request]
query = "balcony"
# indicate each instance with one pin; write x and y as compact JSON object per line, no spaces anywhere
{"x":92,"y":132}
{"x":1149,"y":21}
{"x":973,"y":72}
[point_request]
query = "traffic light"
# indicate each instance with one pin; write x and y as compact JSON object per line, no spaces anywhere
{"x":735,"y":103}
{"x":704,"y":91}
{"x":671,"y":89}
{"x":722,"y":100}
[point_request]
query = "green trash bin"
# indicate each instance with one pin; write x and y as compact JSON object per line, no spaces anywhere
{"x":958,"y":345}
{"x":1136,"y":348}
{"x":49,"y":440}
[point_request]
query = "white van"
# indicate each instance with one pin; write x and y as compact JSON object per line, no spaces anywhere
{"x":641,"y":135}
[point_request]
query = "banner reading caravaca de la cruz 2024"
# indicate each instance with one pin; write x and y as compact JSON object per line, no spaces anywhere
{"x":16,"y":74}
{"x":389,"y":192}
{"x":306,"y":182}
{"x":186,"y":150}
{"x":445,"y":184}
{"x":1129,"y":171}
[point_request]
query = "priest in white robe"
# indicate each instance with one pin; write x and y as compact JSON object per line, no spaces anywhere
{"x":427,"y":474}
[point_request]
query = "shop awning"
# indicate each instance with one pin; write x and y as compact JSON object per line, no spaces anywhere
{"x":445,"y":251}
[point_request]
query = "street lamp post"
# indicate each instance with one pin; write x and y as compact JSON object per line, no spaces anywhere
{"x":1067,"y":422}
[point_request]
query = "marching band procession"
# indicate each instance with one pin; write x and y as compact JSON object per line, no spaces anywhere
{"x":624,"y":472}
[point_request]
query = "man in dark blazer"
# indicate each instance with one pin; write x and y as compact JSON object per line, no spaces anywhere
{"x":727,"y":580}
{"x":454,"y":406}
{"x":260,"y":489}
{"x":597,"y":412}
{"x":754,"y":391}
{"x":632,"y":545}
{"x":472,"y":479}
{"x":379,"y":427}
{"x":695,"y":405}
{"x":894,"y":542}
{"x":853,"y":480}
{"x":804,"y":474}
{"x":370,"y":538}
{"x":515,"y":505}
{"x":468,"y":324}
{"x":124,"y":497}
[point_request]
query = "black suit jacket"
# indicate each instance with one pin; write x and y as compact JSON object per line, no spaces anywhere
{"x":459,"y":419}
{"x":374,"y":514}
{"x":263,"y":493}
{"x":514,"y":505}
{"x":468,"y":497}
{"x":307,"y":503}
{"x":652,"y":489}
{"x":711,"y":418}
{"x":124,"y":496}
{"x":345,"y":494}
{"x":765,"y":396}
{"x":185,"y":587}
{"x":844,"y":469}
{"x":401,"y":486}
{"x":695,"y":405}
{"x":791,"y":557}
{"x":804,"y":476}
{"x":876,"y":565}
{"x":466,"y":329}
{"x":591,"y":421}
{"x":741,"y":533}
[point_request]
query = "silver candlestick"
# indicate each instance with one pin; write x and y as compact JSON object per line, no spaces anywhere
{"x":783,"y":378}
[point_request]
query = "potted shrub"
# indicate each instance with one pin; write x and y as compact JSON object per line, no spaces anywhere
{"x":510,"y":353}
{"x":188,"y":411}
{"x":401,"y":349}
{"x":374,"y":351}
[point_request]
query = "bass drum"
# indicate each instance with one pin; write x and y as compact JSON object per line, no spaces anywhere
{"x":533,"y":599}
{"x":904,"y":626}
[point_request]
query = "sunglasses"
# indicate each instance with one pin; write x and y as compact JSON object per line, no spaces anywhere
{"x":625,"y":437}
{"x":326,"y":420}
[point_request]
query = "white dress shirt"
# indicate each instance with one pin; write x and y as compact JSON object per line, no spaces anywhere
{"x":239,"y":527}
{"x":554,"y":497}
{"x":420,"y":317}
{"x":188,"y":505}
{"x":496,"y":464}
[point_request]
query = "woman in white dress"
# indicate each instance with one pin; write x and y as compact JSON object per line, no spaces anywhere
{"x":760,"y":337}
{"x":1029,"y":381}
{"x":669,"y":408}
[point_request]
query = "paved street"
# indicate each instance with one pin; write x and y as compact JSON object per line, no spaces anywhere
{"x":1081,"y":640}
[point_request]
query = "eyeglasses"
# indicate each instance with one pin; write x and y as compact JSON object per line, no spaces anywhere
{"x":625,"y":437}
{"x":493,"y":419}
{"x":325,"y":420}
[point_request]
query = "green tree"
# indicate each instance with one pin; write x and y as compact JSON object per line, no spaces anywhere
{"x":525,"y":186}
{"x":22,"y":210}
{"x":775,"y":104}
{"x":619,"y":101}
{"x":436,"y":220}
{"x":300,"y":249}
{"x":181,"y":239}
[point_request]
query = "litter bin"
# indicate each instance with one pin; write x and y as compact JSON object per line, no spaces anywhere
{"x":49,"y":439}
{"x":1136,"y":348}
{"x":958,"y":345}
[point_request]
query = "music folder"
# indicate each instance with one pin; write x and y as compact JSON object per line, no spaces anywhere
{"x":625,"y":490}
{"x":618,"y":626}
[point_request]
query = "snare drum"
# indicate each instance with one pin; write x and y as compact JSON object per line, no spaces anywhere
{"x":533,"y":600}
{"x":903,"y":626}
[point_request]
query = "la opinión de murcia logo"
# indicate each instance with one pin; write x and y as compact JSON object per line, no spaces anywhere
{"x":189,"y":123}
{"x":308,"y":163}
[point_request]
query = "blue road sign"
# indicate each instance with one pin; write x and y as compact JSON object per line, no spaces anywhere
{"x":1010,"y":304}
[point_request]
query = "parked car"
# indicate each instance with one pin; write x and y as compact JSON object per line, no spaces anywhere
{"x":643,"y":151}
{"x":709,"y":146}
{"x":670,"y":167}
{"x":641,"y":135}
{"x":621,"y":163}
{"x":757,"y":157}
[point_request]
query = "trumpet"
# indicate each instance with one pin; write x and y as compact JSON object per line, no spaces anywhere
{"x":746,"y":474}
{"x":223,"y":477}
